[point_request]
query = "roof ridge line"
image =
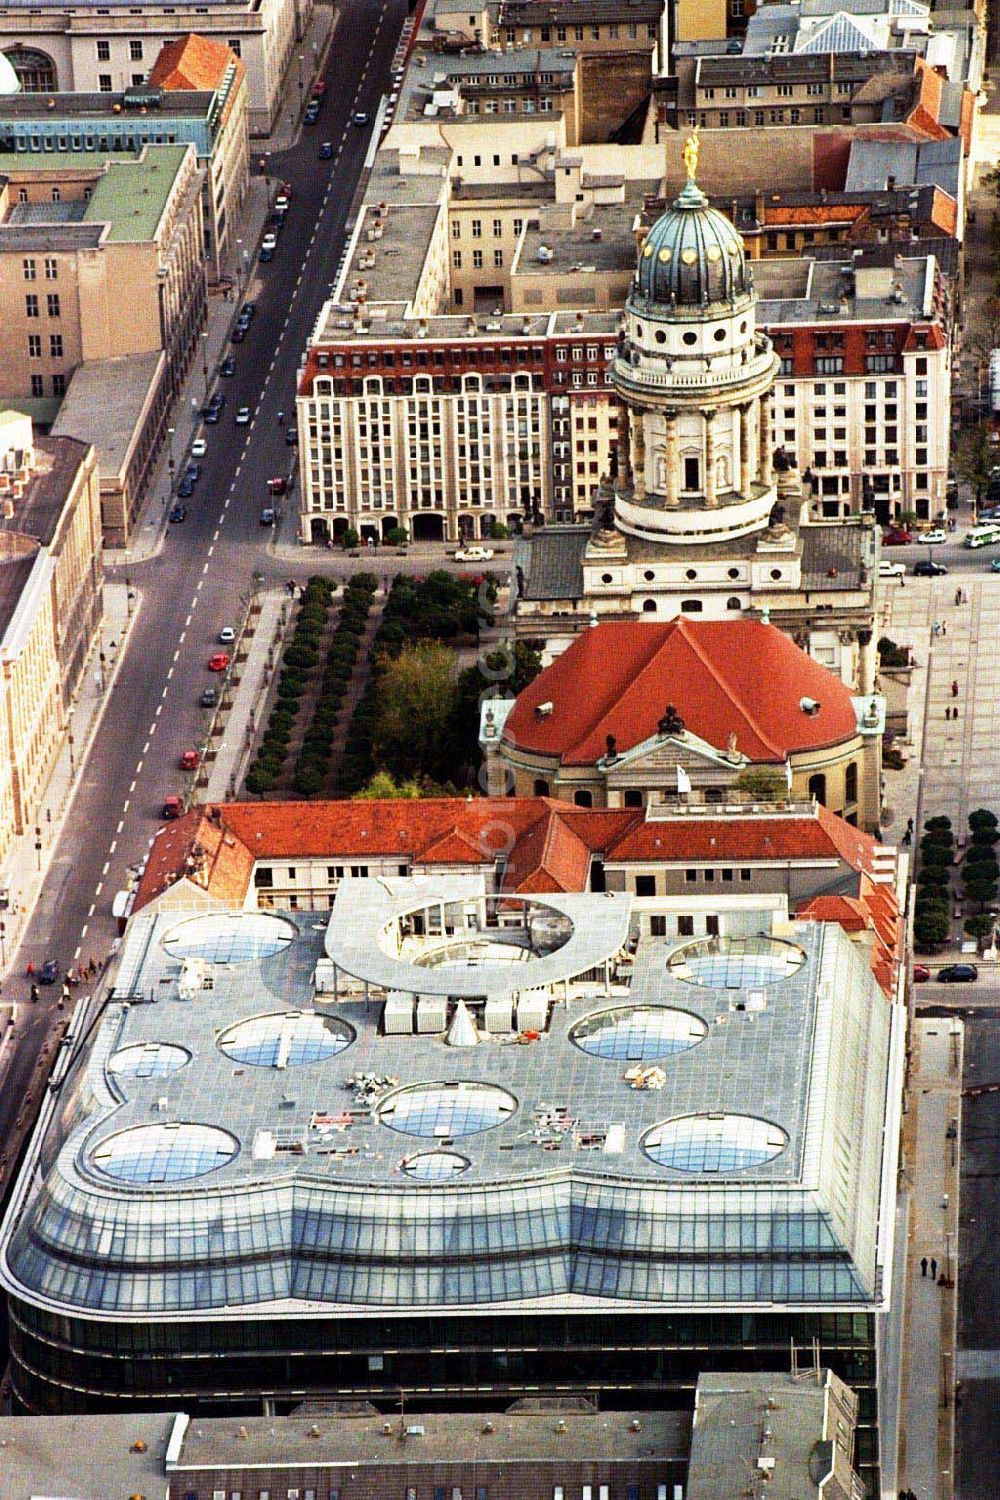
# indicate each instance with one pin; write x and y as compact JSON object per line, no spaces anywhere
{"x":734,"y":694}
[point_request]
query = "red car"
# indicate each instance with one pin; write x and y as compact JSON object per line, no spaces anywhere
{"x":218,"y":661}
{"x":190,"y":760}
{"x":897,"y":537}
{"x":319,"y":88}
{"x":279,"y":485}
{"x":172,"y":807}
{"x":921,"y":973}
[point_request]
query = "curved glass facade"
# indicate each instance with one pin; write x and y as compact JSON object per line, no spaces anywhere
{"x":148,"y":1060}
{"x":286,"y":1039}
{"x":713,"y":1143}
{"x":638,"y":1033}
{"x":434,"y":1166}
{"x":150,"y":1154}
{"x":446,"y":1109}
{"x":736,"y":963}
{"x":232,"y":937}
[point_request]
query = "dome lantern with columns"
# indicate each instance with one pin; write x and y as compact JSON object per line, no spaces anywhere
{"x":693,"y":378}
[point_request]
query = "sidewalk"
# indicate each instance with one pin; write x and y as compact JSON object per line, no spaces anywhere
{"x":232,"y":753}
{"x":185,"y":417}
{"x":933,"y":1153}
{"x":28,"y":865}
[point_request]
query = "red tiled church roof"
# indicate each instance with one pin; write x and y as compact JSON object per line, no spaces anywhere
{"x":724,"y":677}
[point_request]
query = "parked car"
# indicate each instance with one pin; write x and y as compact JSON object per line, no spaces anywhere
{"x":218,"y":661}
{"x":278,"y":485}
{"x":268,"y":516}
{"x":312,"y":112}
{"x":211,"y":415}
{"x":227,"y":635}
{"x":359,"y":117}
{"x":239,"y":333}
{"x":243,"y":416}
{"x":319,"y":88}
{"x":995,"y":564}
{"x":326,"y":151}
{"x":186,"y":488}
{"x":473,"y":554}
{"x":957,"y":974}
{"x":932,"y":537}
{"x":49,"y":972}
{"x":898,"y":536}
{"x":228,"y":366}
{"x":281,"y":203}
{"x":268,"y":245}
{"x":278,"y":217}
{"x":198,"y":450}
{"x":921,"y":973}
{"x":178,"y":513}
{"x":217,"y":400}
{"x":927,"y":568}
{"x":248,"y":310}
{"x":193,"y":472}
{"x":291,"y":437}
{"x":209,"y":698}
{"x":190,"y":760}
{"x":172,"y":807}
{"x":888,"y":569}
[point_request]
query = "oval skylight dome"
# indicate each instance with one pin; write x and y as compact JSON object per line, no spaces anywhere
{"x":735,"y":963}
{"x":148,"y":1060}
{"x":164,"y":1153}
{"x":446,"y":1109}
{"x":287,"y":1039}
{"x":435,"y":1166}
{"x":229,"y":937}
{"x":638,"y":1033}
{"x":713,"y":1143}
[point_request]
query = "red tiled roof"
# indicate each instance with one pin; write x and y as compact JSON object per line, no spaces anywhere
{"x":926,"y":113}
{"x":191,"y":62}
{"x":724,"y":677}
{"x":874,"y":909}
{"x":548,"y":844}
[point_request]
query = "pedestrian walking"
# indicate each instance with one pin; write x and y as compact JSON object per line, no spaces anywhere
{"x":34,"y":994}
{"x":933,"y":1269}
{"x":954,"y":688}
{"x":958,"y":596}
{"x":923,"y":1265}
{"x":954,"y":713}
{"x":30,"y":970}
{"x":944,"y":627}
{"x":936,"y":628}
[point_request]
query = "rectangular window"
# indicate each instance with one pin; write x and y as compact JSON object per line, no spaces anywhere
{"x":498,"y":259}
{"x":690,"y":876}
{"x":477,"y":229}
{"x":685,"y":928}
{"x":34,"y":346}
{"x":657,"y":928}
{"x":59,"y":385}
{"x":104,"y":50}
{"x":52,"y":301}
{"x":30,"y":305}
{"x":28,"y":267}
{"x":477,"y":260}
{"x":645,"y":885}
{"x":37,"y":385}
{"x":55,"y":346}
{"x":456,"y":259}
{"x":52,"y":269}
{"x":135,"y":48}
{"x":745,"y":876}
{"x":831,"y":365}
{"x":104,"y":82}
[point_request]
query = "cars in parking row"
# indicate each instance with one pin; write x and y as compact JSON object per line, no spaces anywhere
{"x":960,"y":973}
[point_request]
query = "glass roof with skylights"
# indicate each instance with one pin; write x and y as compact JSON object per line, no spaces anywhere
{"x":230,"y":937}
{"x":736,"y":963}
{"x":447,"y":1109}
{"x":638,"y":1033}
{"x":434,"y":1166}
{"x":286,"y":1040}
{"x":148,"y":1060}
{"x":713,"y":1143}
{"x":164,"y":1153}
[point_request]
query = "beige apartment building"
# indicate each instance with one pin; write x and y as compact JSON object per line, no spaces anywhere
{"x":81,"y":239}
{"x":92,"y":49}
{"x":51,"y":607}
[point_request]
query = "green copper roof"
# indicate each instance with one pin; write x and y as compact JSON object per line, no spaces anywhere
{"x":692,"y":256}
{"x":132,"y":193}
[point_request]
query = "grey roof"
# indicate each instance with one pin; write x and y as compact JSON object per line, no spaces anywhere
{"x":89,"y":1458}
{"x":173,"y":103}
{"x":835,"y":558}
{"x":559,"y":1204}
{"x":552,"y":562}
{"x":872,"y":163}
{"x":37,"y":512}
{"x":104,"y":404}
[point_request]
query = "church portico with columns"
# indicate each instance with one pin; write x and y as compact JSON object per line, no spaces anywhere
{"x":698,"y":514}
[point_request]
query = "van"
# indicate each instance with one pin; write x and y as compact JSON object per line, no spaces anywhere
{"x":983,"y":536}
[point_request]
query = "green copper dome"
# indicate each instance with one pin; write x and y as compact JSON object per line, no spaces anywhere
{"x":692,"y":256}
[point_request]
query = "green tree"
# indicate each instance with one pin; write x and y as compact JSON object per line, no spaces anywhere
{"x":383,"y":787}
{"x":980,"y":927}
{"x":498,"y":531}
{"x":417,"y":693}
{"x":932,"y":875}
{"x":930,"y":929}
{"x":762,"y":784}
{"x":936,"y":854}
{"x":974,"y":458}
{"x":350,"y":538}
{"x":939,"y":822}
{"x":982,"y":892}
{"x":982,"y":818}
{"x":397,"y":537}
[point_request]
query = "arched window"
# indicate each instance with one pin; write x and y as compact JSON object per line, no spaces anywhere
{"x":691,"y":606}
{"x":851,"y":782}
{"x":633,"y":797}
{"x":541,"y":787}
{"x":649,"y":606}
{"x":817,"y":788}
{"x":733,"y":603}
{"x":583,"y":798}
{"x":36,"y":72}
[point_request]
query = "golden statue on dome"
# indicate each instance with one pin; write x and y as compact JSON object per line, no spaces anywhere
{"x":690,"y":154}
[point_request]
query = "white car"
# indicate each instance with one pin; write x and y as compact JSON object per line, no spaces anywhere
{"x":243,"y":417}
{"x":199,"y":448}
{"x":281,"y":203}
{"x":269,"y":242}
{"x":473,"y":554}
{"x":929,"y":538}
{"x":227,"y":635}
{"x":887,"y":569}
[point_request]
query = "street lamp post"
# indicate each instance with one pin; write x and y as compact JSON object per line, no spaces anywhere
{"x":302,"y":80}
{"x":170,"y":460}
{"x":204,"y":360}
{"x":239,"y":267}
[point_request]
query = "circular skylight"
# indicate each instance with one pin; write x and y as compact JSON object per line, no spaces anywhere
{"x":735,"y":963}
{"x":164,"y":1153}
{"x":230,"y":937}
{"x":638,"y":1033}
{"x":148,"y":1060}
{"x":287,"y":1039}
{"x":434,"y":1166}
{"x":713,"y":1143}
{"x":446,"y":1109}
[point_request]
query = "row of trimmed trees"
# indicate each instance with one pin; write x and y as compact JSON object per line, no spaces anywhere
{"x":979,"y":874}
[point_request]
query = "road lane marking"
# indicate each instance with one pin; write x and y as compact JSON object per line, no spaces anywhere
{"x":121,"y":825}
{"x":187,"y":622}
{"x":112,"y":847}
{"x":76,"y":955}
{"x":138,"y":768}
{"x":203,"y":572}
{"x":125,"y":805}
{"x":169,"y":675}
{"x":93,"y":906}
{"x":145,"y":747}
{"x":210,"y":551}
{"x":132,"y":787}
{"x":100,"y":888}
{"x":176,"y":654}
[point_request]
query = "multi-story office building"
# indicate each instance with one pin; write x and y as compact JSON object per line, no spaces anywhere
{"x":91,"y":49}
{"x":310,"y":1159}
{"x":51,"y":606}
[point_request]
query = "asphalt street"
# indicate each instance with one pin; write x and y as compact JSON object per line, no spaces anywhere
{"x":194,"y":586}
